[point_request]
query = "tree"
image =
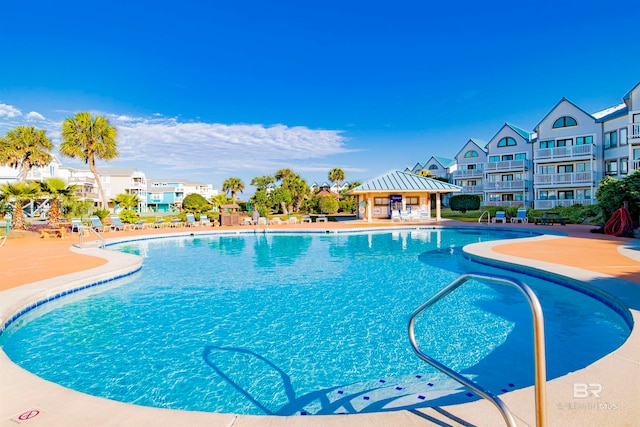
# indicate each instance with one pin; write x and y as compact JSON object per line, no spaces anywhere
{"x":88,"y":139}
{"x":283,"y":174}
{"x":263,"y":182}
{"x":195,"y":202}
{"x":233,"y":185}
{"x":57,"y":189}
{"x":280,"y":198}
{"x":19,"y":193}
{"x":25,"y":147}
{"x":336,"y":175}
{"x":126,"y":201}
{"x":328,"y":204}
{"x":612,"y":193}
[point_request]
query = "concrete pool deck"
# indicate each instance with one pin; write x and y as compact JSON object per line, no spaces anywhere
{"x":31,"y":266}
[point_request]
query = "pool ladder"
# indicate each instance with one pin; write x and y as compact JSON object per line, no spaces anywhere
{"x":538,"y":338}
{"x":81,"y":231}
{"x":482,"y":216}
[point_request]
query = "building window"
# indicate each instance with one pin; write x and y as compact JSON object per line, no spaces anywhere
{"x":564,"y":122}
{"x":611,"y":167}
{"x":470,"y":153}
{"x":521,"y":156}
{"x":611,"y":139}
{"x":547,"y":144}
{"x":507,"y":157}
{"x":507,"y":142}
{"x":380,"y":201}
{"x":623,"y":137}
{"x":546,"y":170}
{"x":583,"y":167}
{"x":411,"y":200}
{"x":583,"y":194}
{"x":433,"y":167}
{"x":584,"y":140}
{"x":507,"y":178}
{"x":471,"y":167}
{"x":624,"y":165}
{"x":564,"y":142}
{"x":472,"y":182}
{"x":565,"y":195}
{"x":507,"y":197}
{"x":565,"y":169}
{"x":494,"y":159}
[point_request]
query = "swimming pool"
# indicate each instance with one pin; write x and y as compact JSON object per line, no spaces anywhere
{"x":303,"y":324}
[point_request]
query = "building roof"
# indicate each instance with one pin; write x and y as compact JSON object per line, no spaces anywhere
{"x":523,"y":133}
{"x":480,"y":144}
{"x":445,"y":162}
{"x":556,"y":106}
{"x":628,"y":94}
{"x":611,"y":113}
{"x":402,"y":181}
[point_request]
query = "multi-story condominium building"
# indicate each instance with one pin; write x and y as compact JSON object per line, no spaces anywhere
{"x":508,"y":169}
{"x":471,"y":161}
{"x":567,"y":157}
{"x":165,"y":195}
{"x":438,"y":167}
{"x":632,"y":102}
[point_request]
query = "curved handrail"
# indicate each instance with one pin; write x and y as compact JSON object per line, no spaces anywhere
{"x":488,"y":217}
{"x":81,"y":235}
{"x":538,"y":337}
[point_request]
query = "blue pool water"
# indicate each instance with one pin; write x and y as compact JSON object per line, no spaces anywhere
{"x":304,"y":324}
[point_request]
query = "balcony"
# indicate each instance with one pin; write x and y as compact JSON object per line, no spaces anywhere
{"x":517,"y":185}
{"x":468,"y":173}
{"x":81,"y":180}
{"x":87,"y":195}
{"x":634,"y":132}
{"x":507,"y":203}
{"x":577,"y":152}
{"x":550,"y":204}
{"x":564,"y":178}
{"x":635,"y":164}
{"x":508,"y":165}
{"x":472,"y":189}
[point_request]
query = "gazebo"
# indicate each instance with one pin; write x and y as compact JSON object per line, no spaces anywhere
{"x":377,"y":197}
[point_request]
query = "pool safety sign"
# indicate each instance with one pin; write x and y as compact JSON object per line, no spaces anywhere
{"x":26,"y":416}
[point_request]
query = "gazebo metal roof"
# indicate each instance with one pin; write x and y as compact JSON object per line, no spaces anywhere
{"x":404,"y":182}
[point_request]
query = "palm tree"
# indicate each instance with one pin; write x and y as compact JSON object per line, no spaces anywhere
{"x":283,"y":174}
{"x":89,"y":138}
{"x":19,"y":193}
{"x":25,"y":147}
{"x":233,"y":185}
{"x":57,"y":189}
{"x":336,"y":175}
{"x":126,"y":201}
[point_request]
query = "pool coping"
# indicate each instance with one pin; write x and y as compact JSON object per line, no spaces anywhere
{"x":61,"y":405}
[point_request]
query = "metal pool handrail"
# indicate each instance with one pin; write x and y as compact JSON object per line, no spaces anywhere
{"x":81,"y":235}
{"x":538,"y":337}
{"x":488,"y":217}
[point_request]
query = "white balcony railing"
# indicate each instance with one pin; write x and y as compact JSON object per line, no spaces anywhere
{"x":635,"y":164}
{"x":564,"y":178}
{"x":550,"y":204}
{"x":517,"y":185}
{"x":508,"y":203}
{"x":506,"y":165}
{"x":571,"y":152}
{"x":634,"y":131}
{"x":468,"y":173}
{"x":79,"y":180}
{"x":472,"y":189}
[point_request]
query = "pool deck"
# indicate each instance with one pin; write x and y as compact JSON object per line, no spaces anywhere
{"x":30,"y":267}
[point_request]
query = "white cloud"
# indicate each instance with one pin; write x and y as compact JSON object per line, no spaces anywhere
{"x":171,"y":144}
{"x":33,"y":115}
{"x":9,"y":111}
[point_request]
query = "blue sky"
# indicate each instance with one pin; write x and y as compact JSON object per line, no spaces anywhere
{"x":205,"y":90}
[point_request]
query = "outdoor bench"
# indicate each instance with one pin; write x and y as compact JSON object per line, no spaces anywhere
{"x":550,"y":218}
{"x":53,"y":232}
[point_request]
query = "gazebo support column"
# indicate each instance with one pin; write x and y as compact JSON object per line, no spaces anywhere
{"x":438,"y":217}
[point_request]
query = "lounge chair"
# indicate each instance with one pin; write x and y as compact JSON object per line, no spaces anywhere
{"x":117,"y":224}
{"x":521,"y":216}
{"x":3,"y":239}
{"x":414,"y":215}
{"x":321,"y":218}
{"x":76,"y":225}
{"x":293,"y":220}
{"x":424,"y":214}
{"x":204,"y":220}
{"x":175,"y":223}
{"x":275,"y":220}
{"x":97,"y":225}
{"x":501,"y":216}
{"x":191,"y":220}
{"x":395,"y":216}
{"x":305,"y":218}
{"x":139,"y":225}
{"x":404,"y":215}
{"x":263,"y":220}
{"x":249,"y":221}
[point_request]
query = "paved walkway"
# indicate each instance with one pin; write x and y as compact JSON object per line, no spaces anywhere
{"x":579,"y":254}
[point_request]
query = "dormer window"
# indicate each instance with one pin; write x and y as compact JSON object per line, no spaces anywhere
{"x":433,"y":167}
{"x":507,"y":142}
{"x":564,"y":122}
{"x":470,"y":153}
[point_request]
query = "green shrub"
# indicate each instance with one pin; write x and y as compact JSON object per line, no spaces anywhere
{"x":101,"y":213}
{"x":128,"y":216}
{"x":327,"y":204}
{"x":464,"y":202}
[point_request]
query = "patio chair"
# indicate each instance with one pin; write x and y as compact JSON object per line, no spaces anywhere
{"x":305,"y":218}
{"x":521,"y":216}
{"x":404,"y":215}
{"x":275,"y":220}
{"x":321,"y":218}
{"x":293,"y":220}
{"x":117,"y":224}
{"x":175,"y":223}
{"x":76,"y":225}
{"x":395,"y":216}
{"x":97,"y":225}
{"x":191,"y":220}
{"x":501,"y":216}
{"x":204,"y":220}
{"x":139,"y":225}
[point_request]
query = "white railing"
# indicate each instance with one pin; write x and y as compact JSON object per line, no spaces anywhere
{"x":564,"y":178}
{"x":505,"y":185}
{"x":549,"y":204}
{"x":573,"y":151}
{"x":77,"y":180}
{"x":472,"y":189}
{"x":468,"y":173}
{"x":507,"y":203}
{"x":635,"y":164}
{"x":508,"y":165}
{"x":634,"y":131}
